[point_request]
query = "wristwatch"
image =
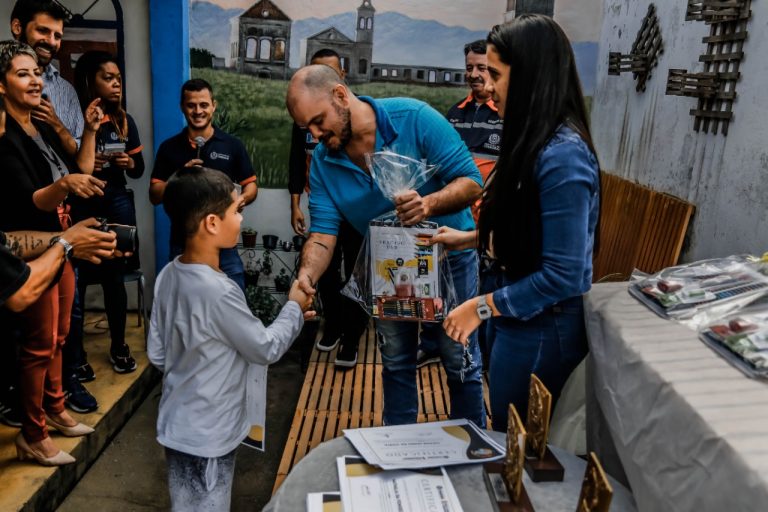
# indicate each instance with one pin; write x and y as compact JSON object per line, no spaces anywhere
{"x":67,"y":246}
{"x":484,"y":311}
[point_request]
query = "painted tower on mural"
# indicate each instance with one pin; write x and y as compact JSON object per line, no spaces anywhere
{"x":356,"y":56}
{"x":260,"y":41}
{"x":517,"y":7}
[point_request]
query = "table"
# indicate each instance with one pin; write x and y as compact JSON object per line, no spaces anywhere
{"x":316,"y":472}
{"x":689,"y":430}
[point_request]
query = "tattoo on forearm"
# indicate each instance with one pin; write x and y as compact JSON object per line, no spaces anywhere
{"x":23,"y":245}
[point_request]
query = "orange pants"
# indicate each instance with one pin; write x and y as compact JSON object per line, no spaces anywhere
{"x":45,"y":325}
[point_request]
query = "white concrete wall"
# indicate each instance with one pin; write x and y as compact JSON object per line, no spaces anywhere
{"x":270,"y":213}
{"x":649,"y":137}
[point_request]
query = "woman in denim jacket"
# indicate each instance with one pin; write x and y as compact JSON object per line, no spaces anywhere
{"x":538,"y":218}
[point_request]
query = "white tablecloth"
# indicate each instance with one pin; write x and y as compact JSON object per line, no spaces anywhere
{"x":317,"y":473}
{"x":690,"y":430}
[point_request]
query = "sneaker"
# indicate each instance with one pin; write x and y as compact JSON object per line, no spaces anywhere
{"x":10,"y":408}
{"x":78,"y":398}
{"x":425,"y":358}
{"x":10,"y":415}
{"x":346,"y":357}
{"x":327,"y":343}
{"x":85,"y":373}
{"x":121,"y":360}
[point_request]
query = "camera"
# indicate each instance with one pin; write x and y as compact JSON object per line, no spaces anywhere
{"x":126,"y":235}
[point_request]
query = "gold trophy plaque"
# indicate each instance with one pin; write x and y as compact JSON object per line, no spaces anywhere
{"x":505,"y":480}
{"x":596,"y":491}
{"x":540,"y":463}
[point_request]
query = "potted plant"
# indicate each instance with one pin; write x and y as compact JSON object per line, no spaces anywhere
{"x":270,"y":241}
{"x":252,"y":272}
{"x":282,"y":281}
{"x":261,"y":303}
{"x":265,"y":265}
{"x":249,"y":237}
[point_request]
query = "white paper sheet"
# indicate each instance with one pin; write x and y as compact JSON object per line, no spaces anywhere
{"x":423,"y":445}
{"x":366,"y":488}
{"x":324,"y":502}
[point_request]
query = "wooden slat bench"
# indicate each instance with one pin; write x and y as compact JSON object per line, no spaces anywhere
{"x":639,"y":228}
{"x":331,"y":401}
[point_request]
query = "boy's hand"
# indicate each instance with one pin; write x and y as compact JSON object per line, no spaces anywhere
{"x":298,"y":295}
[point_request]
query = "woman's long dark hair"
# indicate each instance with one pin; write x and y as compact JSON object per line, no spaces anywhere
{"x":87,"y":66}
{"x":544,"y":92}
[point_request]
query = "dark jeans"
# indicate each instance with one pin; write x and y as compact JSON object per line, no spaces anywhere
{"x":551,"y":345}
{"x":463,"y":366}
{"x":117,"y":207}
{"x":343,"y":316}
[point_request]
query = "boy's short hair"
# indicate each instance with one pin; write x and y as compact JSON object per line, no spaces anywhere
{"x":195,"y":85}
{"x":190,"y":195}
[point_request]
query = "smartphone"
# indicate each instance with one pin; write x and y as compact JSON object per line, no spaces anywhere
{"x":113,"y":148}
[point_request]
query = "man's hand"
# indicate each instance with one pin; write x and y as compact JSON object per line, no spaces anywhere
{"x":193,"y":162}
{"x":83,"y":185}
{"x":297,"y":220}
{"x":306,"y":284}
{"x":93,"y":115}
{"x":453,"y":239}
{"x":412,"y":208}
{"x":46,"y":113}
{"x":304,"y":299}
{"x":462,"y":321}
{"x":90,"y":244}
{"x":122,"y":160}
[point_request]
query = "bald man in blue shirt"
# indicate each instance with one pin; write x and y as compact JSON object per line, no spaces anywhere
{"x":348,"y":128}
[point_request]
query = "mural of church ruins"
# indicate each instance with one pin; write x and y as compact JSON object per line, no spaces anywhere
{"x":260,"y":41}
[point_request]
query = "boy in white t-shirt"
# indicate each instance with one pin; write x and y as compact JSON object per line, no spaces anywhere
{"x":203,"y":337}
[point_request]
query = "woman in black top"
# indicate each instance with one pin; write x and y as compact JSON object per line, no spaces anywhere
{"x":37,"y":178}
{"x":118,"y":153}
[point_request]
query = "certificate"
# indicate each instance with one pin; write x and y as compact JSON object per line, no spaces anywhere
{"x":424,"y":445}
{"x":366,"y":488}
{"x":324,"y":502}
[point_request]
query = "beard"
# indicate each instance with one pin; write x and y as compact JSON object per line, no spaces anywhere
{"x":345,"y":135}
{"x":41,"y":60}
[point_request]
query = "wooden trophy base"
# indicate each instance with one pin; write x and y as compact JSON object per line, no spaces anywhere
{"x":499,"y":491}
{"x":547,"y":469}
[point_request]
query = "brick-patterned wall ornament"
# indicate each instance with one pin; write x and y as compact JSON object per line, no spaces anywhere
{"x":644,"y":54}
{"x":715,"y":88}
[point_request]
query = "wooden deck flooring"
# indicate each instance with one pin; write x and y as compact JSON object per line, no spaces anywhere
{"x":332,"y":400}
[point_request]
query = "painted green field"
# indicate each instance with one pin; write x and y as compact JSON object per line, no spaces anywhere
{"x":254,"y":110}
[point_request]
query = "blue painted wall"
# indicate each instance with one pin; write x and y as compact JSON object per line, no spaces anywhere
{"x":169,"y":47}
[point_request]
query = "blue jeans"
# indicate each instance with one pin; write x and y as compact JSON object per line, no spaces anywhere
{"x":229,"y":262}
{"x":398,"y":344}
{"x":551,"y":345}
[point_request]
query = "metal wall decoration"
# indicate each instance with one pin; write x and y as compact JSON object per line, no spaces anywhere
{"x":644,"y":55}
{"x":715,"y":88}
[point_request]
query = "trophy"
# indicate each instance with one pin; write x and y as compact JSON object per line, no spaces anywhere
{"x":540,"y":463}
{"x":596,"y":491}
{"x":505,"y":480}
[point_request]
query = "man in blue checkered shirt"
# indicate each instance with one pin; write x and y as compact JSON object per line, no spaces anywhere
{"x":40,"y":24}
